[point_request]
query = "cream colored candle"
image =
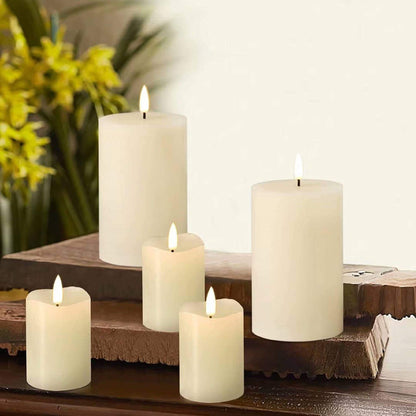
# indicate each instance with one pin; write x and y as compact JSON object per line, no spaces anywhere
{"x":211,"y":350}
{"x":173,"y":274}
{"x":142,"y":181}
{"x":297,"y":289}
{"x":58,"y":338}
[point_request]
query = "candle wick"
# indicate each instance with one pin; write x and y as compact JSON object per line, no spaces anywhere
{"x":172,"y":251}
{"x":144,"y":116}
{"x":298,"y":182}
{"x":57,"y":304}
{"x":210,"y":317}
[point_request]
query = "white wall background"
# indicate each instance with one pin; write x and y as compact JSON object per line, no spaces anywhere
{"x":262,"y":80}
{"x":332,"y":79}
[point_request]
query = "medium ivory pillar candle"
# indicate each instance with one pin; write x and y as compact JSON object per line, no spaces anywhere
{"x":211,"y":350}
{"x":297,"y":288}
{"x":142,"y":181}
{"x":58,"y":338}
{"x":173,"y":274}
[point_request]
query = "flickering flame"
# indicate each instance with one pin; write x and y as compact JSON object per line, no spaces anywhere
{"x":298,"y":167}
{"x":210,"y":304}
{"x":144,"y":100}
{"x":173,"y":237}
{"x":57,"y":291}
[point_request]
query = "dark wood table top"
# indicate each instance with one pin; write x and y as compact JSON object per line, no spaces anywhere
{"x":137,"y":389}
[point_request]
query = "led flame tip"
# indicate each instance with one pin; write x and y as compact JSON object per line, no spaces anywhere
{"x":144,"y":100}
{"x":298,"y":167}
{"x":173,"y":237}
{"x":57,"y":292}
{"x":210,"y":304}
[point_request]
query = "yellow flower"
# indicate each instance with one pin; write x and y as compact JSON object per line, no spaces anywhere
{"x":42,"y":78}
{"x":96,"y":67}
{"x":20,"y":145}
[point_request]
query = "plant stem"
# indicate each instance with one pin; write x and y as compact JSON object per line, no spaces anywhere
{"x":18,"y":210}
{"x":61,"y":130}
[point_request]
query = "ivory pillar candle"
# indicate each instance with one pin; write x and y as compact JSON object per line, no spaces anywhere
{"x":297,"y":288}
{"x":142,"y":181}
{"x":173,"y":274}
{"x":58,"y":338}
{"x":211,"y":350}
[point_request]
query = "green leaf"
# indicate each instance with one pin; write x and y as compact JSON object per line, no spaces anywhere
{"x":54,"y":26}
{"x":30,"y":19}
{"x":96,"y":4}
{"x":130,"y":35}
{"x":157,"y":37}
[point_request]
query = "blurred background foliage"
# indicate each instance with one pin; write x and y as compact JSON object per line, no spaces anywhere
{"x":52,"y":92}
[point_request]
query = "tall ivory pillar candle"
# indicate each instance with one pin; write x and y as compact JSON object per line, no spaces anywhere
{"x":173,"y":274}
{"x":142,"y":181}
{"x":297,"y":289}
{"x":58,"y":338}
{"x":211,"y":350}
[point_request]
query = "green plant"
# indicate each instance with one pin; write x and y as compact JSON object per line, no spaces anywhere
{"x":50,"y":100}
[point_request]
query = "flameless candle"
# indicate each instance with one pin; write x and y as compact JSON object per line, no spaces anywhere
{"x":211,"y":350}
{"x":297,"y":289}
{"x":58,"y":338}
{"x":173,"y":274}
{"x":142,"y":180}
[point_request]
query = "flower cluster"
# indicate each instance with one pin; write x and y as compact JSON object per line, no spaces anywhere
{"x":35,"y":80}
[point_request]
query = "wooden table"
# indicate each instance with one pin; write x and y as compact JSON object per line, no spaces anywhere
{"x":136,"y":389}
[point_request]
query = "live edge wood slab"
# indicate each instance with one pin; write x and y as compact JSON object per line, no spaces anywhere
{"x":368,"y":290}
{"x":118,"y":335}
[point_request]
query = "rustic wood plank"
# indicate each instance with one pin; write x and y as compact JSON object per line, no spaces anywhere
{"x":77,"y":262}
{"x":368,"y":290}
{"x":118,"y":334}
{"x":392,"y":293}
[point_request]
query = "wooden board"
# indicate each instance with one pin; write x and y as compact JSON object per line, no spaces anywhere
{"x":118,"y":334}
{"x":377,"y":290}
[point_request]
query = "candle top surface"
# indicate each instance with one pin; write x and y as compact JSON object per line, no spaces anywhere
{"x":224,"y":308}
{"x":136,"y":118}
{"x":71,"y":296}
{"x":289,"y":186}
{"x":185,"y":242}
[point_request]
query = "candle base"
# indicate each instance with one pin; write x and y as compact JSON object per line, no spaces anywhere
{"x":294,"y":333}
{"x":217,"y":400}
{"x":40,"y":386}
{"x":297,"y":338}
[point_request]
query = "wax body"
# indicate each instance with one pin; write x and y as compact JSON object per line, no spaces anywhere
{"x":142,"y":182}
{"x":171,"y":279}
{"x":211,"y":352}
{"x":58,"y":340}
{"x":297,"y":289}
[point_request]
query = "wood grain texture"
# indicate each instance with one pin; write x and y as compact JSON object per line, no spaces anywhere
{"x":125,"y":389}
{"x":392,"y":293}
{"x":118,"y":334}
{"x":376,"y":290}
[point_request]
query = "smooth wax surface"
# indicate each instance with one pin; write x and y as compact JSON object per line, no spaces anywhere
{"x":58,"y":340}
{"x":297,"y":291}
{"x":211,"y":352}
{"x":171,"y":279}
{"x":142,"y":180}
